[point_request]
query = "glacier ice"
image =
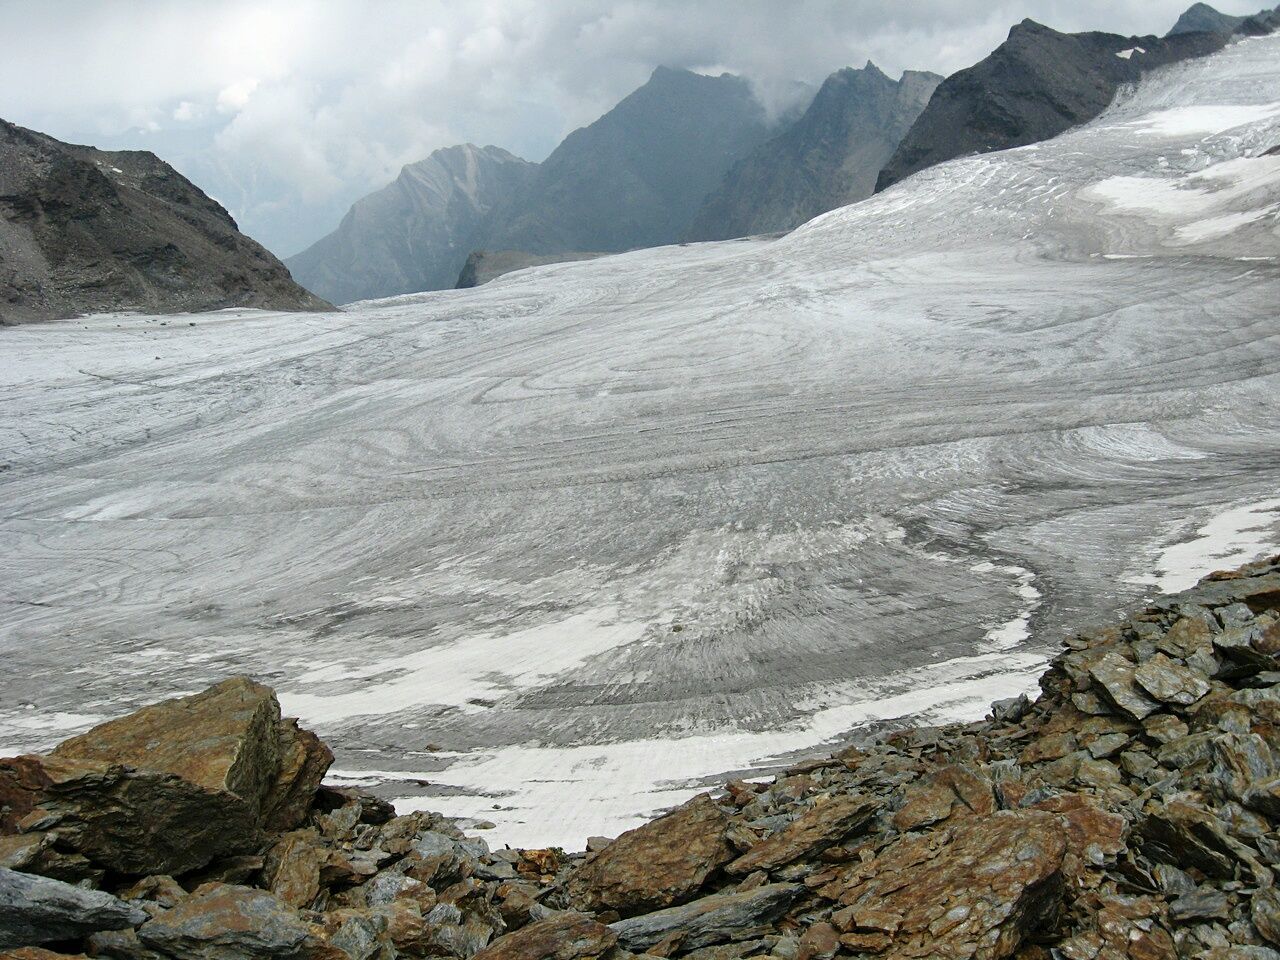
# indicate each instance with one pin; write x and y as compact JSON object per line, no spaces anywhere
{"x":567,"y":545}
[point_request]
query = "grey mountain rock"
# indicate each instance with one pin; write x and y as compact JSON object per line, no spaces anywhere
{"x":39,"y":910}
{"x":828,"y":158}
{"x":1037,"y":84}
{"x":638,"y":175}
{"x":87,"y":231}
{"x":1202,"y":18}
{"x":485,"y":265}
{"x":416,"y":233}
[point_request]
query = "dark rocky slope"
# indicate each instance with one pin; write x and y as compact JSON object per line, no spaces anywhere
{"x":828,"y":158}
{"x":635,"y":177}
{"x":1035,"y":85}
{"x":85,"y":230}
{"x":416,"y":233}
{"x":1132,"y":811}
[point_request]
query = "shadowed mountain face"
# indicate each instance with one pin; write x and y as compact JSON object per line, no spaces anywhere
{"x":89,"y":231}
{"x":828,"y":158}
{"x":636,"y":176}
{"x":416,"y":233}
{"x":1037,"y":84}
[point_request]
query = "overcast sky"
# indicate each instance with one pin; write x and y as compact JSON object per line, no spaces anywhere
{"x":288,"y":110}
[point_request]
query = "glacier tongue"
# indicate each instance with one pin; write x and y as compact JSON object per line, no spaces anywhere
{"x":565,"y":545}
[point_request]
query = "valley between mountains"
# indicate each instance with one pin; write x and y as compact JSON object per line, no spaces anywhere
{"x":555,"y":552}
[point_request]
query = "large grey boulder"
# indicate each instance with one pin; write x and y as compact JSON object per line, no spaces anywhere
{"x":39,"y":910}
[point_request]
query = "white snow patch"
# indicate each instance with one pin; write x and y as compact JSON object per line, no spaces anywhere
{"x":561,"y":795}
{"x":1127,"y":54}
{"x":1204,"y":119}
{"x":485,"y":666}
{"x":1231,"y":538}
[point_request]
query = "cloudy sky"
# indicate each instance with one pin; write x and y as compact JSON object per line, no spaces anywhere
{"x":288,"y":110}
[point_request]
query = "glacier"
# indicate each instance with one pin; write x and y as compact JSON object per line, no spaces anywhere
{"x":557,"y":551}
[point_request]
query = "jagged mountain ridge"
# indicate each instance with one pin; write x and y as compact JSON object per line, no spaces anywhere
{"x":1035,"y":85}
{"x":416,"y":233}
{"x":826,"y":159}
{"x":636,"y":176}
{"x":85,"y":230}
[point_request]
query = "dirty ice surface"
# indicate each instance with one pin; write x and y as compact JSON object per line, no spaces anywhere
{"x":555,"y":551}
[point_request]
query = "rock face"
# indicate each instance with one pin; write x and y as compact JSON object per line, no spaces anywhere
{"x":828,"y":158}
{"x":1035,"y":85}
{"x":662,"y":863}
{"x":173,"y":786}
{"x":39,"y":910}
{"x":485,"y":265}
{"x":416,"y":233}
{"x":85,"y":230}
{"x":1131,"y":811}
{"x":635,"y":177}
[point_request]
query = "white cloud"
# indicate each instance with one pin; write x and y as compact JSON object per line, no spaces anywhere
{"x":234,"y":98}
{"x":308,"y":104}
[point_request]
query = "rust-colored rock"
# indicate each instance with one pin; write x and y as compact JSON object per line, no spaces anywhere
{"x":947,"y":790}
{"x":663,"y":863}
{"x":224,"y":922}
{"x":169,"y":788}
{"x":976,"y":889}
{"x":567,"y":936}
{"x":812,"y":832}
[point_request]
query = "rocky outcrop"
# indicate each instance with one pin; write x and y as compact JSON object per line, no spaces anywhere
{"x":1131,"y":811}
{"x":88,"y":231}
{"x":36,"y":909}
{"x":169,"y":788}
{"x":485,"y":265}
{"x":828,"y":158}
{"x":1036,"y":84}
{"x":416,"y":233}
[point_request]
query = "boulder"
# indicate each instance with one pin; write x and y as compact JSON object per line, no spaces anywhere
{"x":1115,"y":676}
{"x":943,"y":792}
{"x":720,"y":918}
{"x":1170,"y":682}
{"x":173,"y":786}
{"x":663,"y":863}
{"x":977,"y":888}
{"x":813,"y":831}
{"x":565,"y":936}
{"x":225,"y":922}
{"x":39,"y":910}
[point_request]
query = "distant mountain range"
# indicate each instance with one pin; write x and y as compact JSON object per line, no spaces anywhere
{"x":634,"y":178}
{"x":684,"y":157}
{"x":692,"y":157}
{"x":85,"y":230}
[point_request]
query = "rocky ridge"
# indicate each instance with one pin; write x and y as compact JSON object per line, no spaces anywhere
{"x":1035,"y":85}
{"x":1130,"y":811}
{"x":828,"y":158}
{"x":85,"y":231}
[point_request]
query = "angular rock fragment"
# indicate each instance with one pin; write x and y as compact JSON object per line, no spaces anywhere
{"x":566,"y":936}
{"x":1170,"y":682}
{"x":943,"y":792}
{"x":719,"y":918}
{"x":1185,"y":835}
{"x":225,"y":922}
{"x":662,"y":863}
{"x":39,"y":910}
{"x":169,"y":788}
{"x":1115,"y":675}
{"x":822,"y":826}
